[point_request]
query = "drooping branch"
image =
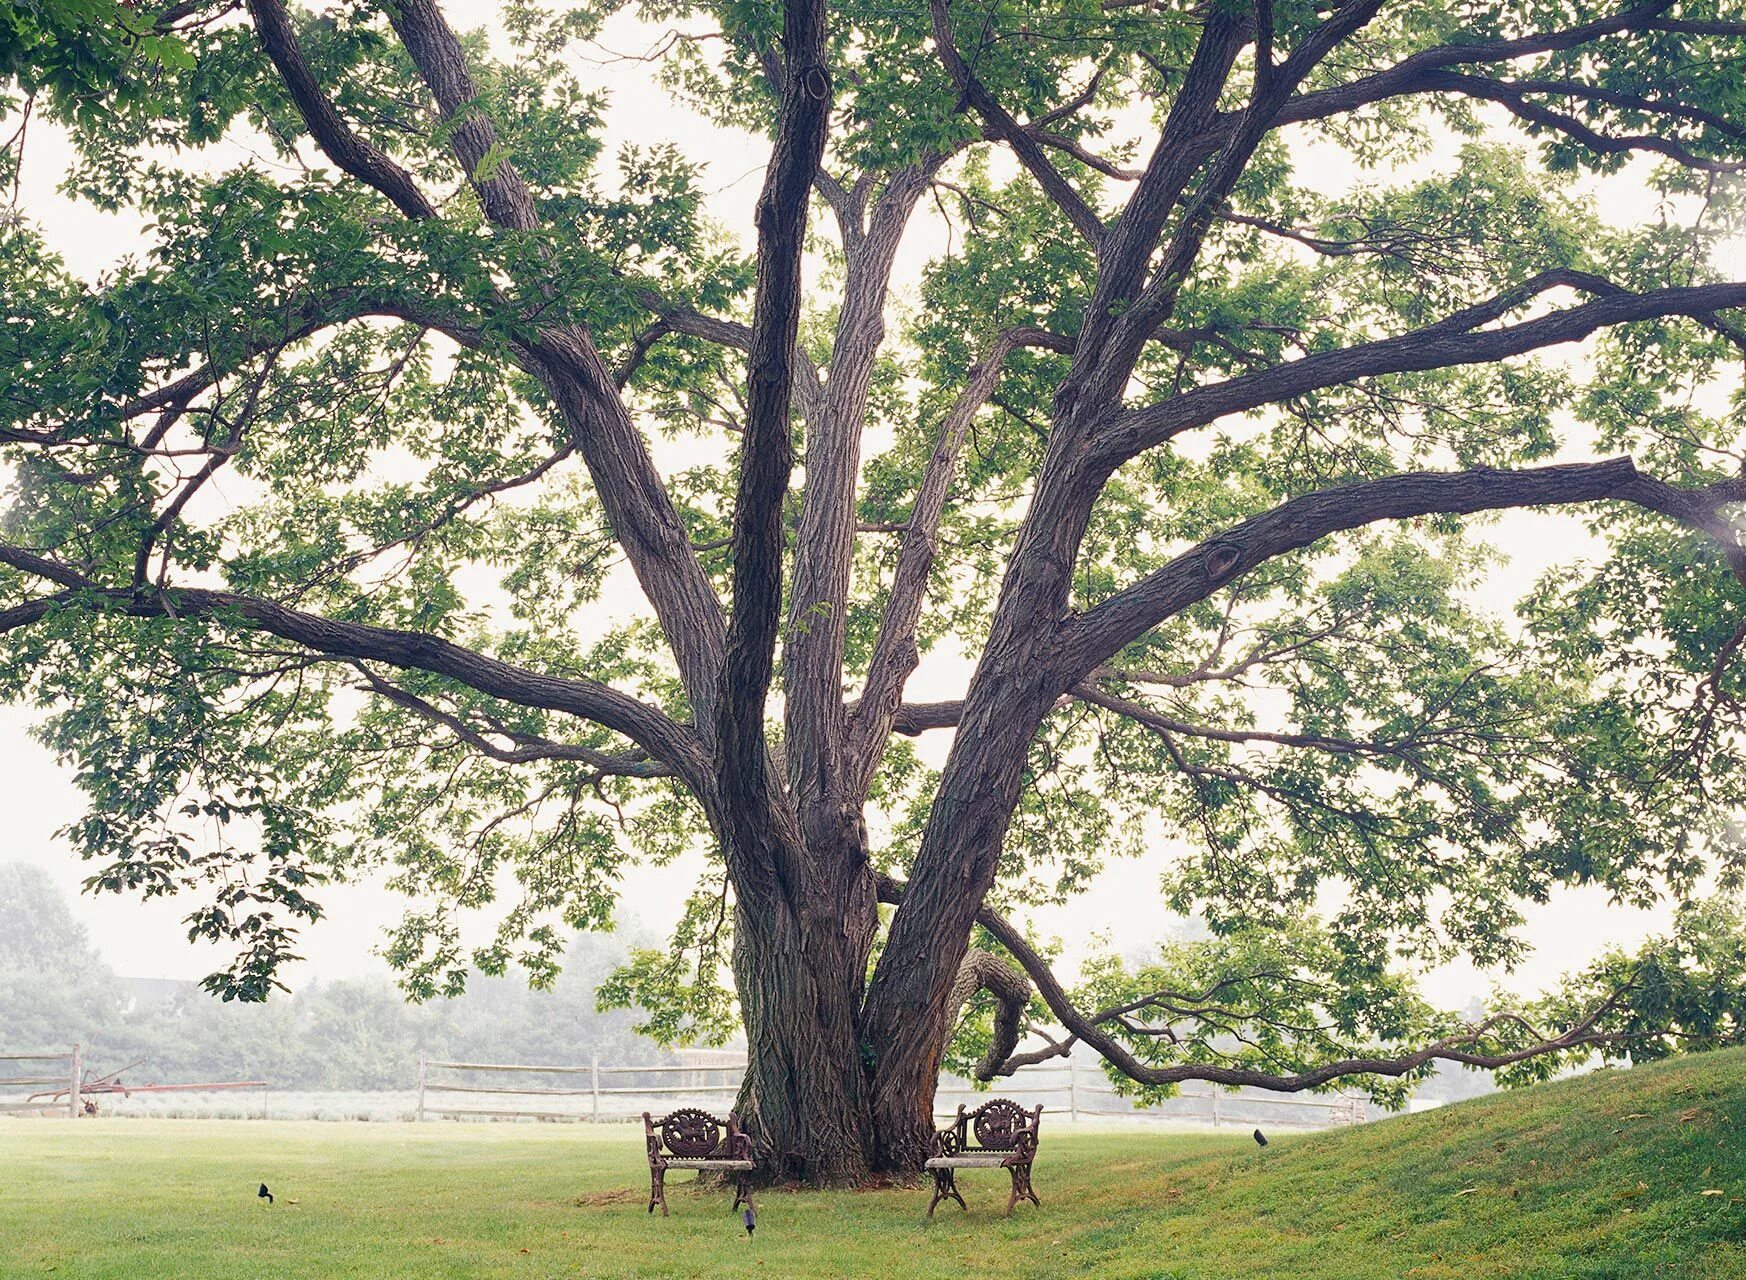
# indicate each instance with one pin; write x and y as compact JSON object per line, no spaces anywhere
{"x":1430,"y":72}
{"x":1091,"y":1029}
{"x":528,"y":748}
{"x":663,"y":738}
{"x":219,"y":453}
{"x":281,"y":328}
{"x":1142,"y":714}
{"x":985,"y":971}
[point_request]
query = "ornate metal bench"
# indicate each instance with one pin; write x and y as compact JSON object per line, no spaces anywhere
{"x":1005,"y":1137}
{"x":693,"y":1139}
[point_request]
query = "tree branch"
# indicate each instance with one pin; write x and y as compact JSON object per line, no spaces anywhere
{"x":1178,"y":154}
{"x":563,"y":357}
{"x":1453,"y":341}
{"x":529,"y":748}
{"x":485,"y":164}
{"x":651,"y":729}
{"x":336,"y":139}
{"x":815,"y":722}
{"x":680,"y":318}
{"x":1142,"y":714}
{"x":895,"y":655}
{"x":1103,"y":631}
{"x":1001,"y":123}
{"x":1513,"y":98}
{"x":1428,"y":72}
{"x":985,"y":971}
{"x":767,"y":450}
{"x":1088,"y":1028}
{"x":1157,"y":301}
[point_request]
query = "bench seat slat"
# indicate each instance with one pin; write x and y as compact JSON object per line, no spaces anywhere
{"x":686,"y":1162}
{"x":989,"y":1160}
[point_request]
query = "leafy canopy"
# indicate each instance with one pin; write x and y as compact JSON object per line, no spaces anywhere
{"x":1352,"y":731}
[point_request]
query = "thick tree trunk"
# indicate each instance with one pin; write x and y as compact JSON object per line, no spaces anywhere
{"x":806,"y":1100}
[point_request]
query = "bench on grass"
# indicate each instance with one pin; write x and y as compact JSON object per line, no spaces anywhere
{"x":693,"y":1139}
{"x":999,"y":1134}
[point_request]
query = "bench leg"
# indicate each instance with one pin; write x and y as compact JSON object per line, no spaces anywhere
{"x":945,"y":1184}
{"x":658,"y":1189}
{"x":1021,"y":1187}
{"x":743,"y":1190}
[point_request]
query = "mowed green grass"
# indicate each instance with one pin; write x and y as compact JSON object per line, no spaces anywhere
{"x":1597,"y":1177}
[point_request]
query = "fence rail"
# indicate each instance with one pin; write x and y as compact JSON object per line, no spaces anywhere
{"x":1080,"y":1090}
{"x":65,"y":1080}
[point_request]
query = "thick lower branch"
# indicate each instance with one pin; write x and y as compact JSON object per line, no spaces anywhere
{"x":985,"y":971}
{"x":1088,"y":1028}
{"x":662,"y":737}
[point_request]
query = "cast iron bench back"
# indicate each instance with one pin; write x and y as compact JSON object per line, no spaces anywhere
{"x":999,"y":1134}
{"x":693,"y":1139}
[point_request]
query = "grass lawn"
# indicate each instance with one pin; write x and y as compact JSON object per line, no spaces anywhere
{"x":1598,"y":1177}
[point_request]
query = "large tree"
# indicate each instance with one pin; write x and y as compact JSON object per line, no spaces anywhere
{"x":1185,"y":441}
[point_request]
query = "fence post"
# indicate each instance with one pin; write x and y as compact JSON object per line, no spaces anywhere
{"x":1072,"y":1090}
{"x":263,"y":1102}
{"x":594,"y":1087}
{"x":73,"y":1091}
{"x":1215,"y":1108}
{"x":421,"y":1086}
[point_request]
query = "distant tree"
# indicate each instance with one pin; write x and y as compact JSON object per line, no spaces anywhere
{"x":354,"y":1034}
{"x":54,"y":988}
{"x":315,"y":495}
{"x":37,"y":929}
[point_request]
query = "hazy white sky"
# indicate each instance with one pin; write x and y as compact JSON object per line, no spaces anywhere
{"x":38,"y":797}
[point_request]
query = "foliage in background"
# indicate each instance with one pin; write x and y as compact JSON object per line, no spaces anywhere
{"x":350,"y":1034}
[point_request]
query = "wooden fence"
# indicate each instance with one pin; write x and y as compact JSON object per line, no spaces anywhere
{"x":604,"y":1101}
{"x":50,"y":1077}
{"x":1074,"y":1091}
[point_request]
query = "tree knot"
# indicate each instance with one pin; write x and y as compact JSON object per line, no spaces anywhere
{"x":1221,"y":558}
{"x":815,"y":83}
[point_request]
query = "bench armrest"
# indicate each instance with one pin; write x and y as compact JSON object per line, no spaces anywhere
{"x":738,"y":1144}
{"x":1024,"y":1147}
{"x":952,"y":1140}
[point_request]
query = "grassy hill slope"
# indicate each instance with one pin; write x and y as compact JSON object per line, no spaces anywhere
{"x":1602,"y":1176}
